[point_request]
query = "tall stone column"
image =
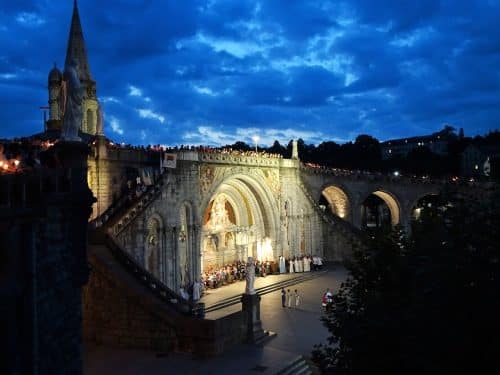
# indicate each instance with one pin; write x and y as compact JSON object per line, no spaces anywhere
{"x":51,"y":241}
{"x":252,"y":325}
{"x":75,"y":204}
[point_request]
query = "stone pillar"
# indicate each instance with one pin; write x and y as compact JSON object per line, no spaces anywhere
{"x":252,"y":325}
{"x":76,"y":204}
{"x":197,"y":251}
{"x":46,"y":236}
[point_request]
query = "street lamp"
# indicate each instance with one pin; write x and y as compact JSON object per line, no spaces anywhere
{"x":256,"y":140}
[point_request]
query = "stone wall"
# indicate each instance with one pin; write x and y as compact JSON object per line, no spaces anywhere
{"x":43,"y":267}
{"x":58,"y":297}
{"x":120,"y":312}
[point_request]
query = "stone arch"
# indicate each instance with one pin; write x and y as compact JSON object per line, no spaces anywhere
{"x":338,"y":200}
{"x":153,"y":261}
{"x":243,"y":205}
{"x":392,"y":203}
{"x":417,"y":202}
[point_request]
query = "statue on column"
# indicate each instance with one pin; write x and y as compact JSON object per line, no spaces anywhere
{"x":250,"y":276}
{"x":73,"y":100}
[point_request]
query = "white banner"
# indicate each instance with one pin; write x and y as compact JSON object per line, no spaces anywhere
{"x":170,"y":160}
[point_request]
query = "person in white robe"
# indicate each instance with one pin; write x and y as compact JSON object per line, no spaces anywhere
{"x":297,"y":299}
{"x":297,"y":269}
{"x":282,"y":264}
{"x":306,"y":264}
{"x":291,"y":263}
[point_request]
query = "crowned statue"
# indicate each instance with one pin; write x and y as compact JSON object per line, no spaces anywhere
{"x":73,"y":99}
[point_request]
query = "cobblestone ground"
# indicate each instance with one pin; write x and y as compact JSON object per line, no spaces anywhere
{"x":298,"y":329}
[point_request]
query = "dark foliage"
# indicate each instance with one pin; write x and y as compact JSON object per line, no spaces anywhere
{"x":365,"y":154}
{"x":427,"y":305}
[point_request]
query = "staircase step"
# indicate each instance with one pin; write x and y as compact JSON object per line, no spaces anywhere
{"x":268,"y":336}
{"x":264,"y":290}
{"x":295,"y":367}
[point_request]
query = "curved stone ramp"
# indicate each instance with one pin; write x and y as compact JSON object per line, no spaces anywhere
{"x":121,"y":312}
{"x":346,"y":227}
{"x":235,"y":299}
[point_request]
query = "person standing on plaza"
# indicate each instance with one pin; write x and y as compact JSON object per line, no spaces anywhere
{"x":297,"y":299}
{"x":289,"y":297}
{"x":291,"y":265}
{"x":283,"y":297}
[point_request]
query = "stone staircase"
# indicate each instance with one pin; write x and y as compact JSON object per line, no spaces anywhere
{"x":346,"y":228}
{"x":230,"y":301}
{"x":299,"y":366}
{"x":108,"y":225}
{"x":155,"y":286}
{"x":124,"y":211}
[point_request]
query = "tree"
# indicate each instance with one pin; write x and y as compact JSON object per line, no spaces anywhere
{"x":239,"y":145}
{"x":426,"y":305}
{"x":368,"y":152}
{"x":277,"y":148}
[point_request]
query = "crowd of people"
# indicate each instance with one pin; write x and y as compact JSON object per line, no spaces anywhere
{"x":215,"y":277}
{"x":232,"y":152}
{"x":21,"y":155}
{"x":356,"y":173}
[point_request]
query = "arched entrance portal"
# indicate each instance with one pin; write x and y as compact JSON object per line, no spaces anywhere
{"x":239,"y":221}
{"x":380,"y":210}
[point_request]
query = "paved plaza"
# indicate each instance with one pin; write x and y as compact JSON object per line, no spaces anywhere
{"x":297,"y":331}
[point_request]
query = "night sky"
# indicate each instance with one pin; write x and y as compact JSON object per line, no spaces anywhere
{"x":216,"y":72}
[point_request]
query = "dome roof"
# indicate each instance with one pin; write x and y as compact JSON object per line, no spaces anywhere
{"x":55,"y":74}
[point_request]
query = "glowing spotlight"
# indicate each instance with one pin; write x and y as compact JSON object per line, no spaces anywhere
{"x":256,"y":140}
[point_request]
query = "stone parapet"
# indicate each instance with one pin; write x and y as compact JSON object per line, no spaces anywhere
{"x":223,"y":158}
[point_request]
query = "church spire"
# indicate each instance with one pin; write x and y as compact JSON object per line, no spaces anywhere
{"x":76,"y":46}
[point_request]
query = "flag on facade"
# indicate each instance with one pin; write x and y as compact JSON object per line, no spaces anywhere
{"x":170,"y":160}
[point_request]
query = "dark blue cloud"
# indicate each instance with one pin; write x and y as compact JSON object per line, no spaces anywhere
{"x":211,"y":71}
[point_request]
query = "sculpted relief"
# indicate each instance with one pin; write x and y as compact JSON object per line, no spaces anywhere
{"x":207,"y":175}
{"x":273,"y":181}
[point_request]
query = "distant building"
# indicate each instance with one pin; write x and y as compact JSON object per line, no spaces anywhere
{"x":479,"y":160}
{"x":436,"y":142}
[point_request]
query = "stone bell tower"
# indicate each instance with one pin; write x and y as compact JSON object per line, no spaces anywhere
{"x":75,"y":50}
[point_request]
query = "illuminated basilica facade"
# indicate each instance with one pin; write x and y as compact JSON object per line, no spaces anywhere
{"x":213,"y":208}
